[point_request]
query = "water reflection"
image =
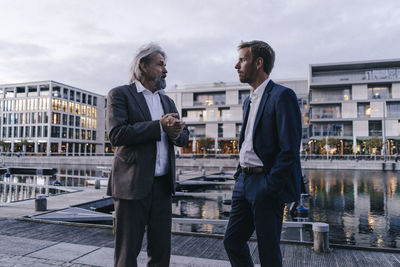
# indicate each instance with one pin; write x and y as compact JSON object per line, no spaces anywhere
{"x":361,"y":207}
{"x":22,"y":187}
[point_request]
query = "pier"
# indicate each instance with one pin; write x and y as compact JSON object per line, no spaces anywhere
{"x":27,"y":242}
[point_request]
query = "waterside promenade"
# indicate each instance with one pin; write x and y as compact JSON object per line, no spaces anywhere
{"x":219,"y":161}
{"x":29,"y":243}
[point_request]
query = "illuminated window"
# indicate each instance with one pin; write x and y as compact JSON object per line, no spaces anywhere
{"x":77,"y":108}
{"x":71,"y":107}
{"x":64,"y":106}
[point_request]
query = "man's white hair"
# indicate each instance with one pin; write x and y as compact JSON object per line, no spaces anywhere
{"x":143,"y":55}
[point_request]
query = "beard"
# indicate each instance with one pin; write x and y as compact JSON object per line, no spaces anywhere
{"x":160,"y":82}
{"x":248,"y":76}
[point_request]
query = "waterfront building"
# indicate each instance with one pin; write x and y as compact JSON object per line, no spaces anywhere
{"x":50,"y":118}
{"x":213,"y":113}
{"x":354,"y":103}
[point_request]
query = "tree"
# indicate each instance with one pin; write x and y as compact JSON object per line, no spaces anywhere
{"x":372,"y":143}
{"x":205,"y":144}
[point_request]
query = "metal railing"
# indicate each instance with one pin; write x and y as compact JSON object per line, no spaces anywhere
{"x":319,"y":230}
{"x":352,"y":157}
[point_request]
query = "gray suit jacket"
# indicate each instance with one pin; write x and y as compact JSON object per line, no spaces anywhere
{"x":134,"y":135}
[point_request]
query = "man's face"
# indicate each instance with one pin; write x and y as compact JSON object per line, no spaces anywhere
{"x":155,"y":72}
{"x":246,"y":67}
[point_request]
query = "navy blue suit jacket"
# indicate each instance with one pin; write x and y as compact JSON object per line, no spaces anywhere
{"x":276,"y":140}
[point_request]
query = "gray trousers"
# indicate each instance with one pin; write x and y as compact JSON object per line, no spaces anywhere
{"x":132,"y":218}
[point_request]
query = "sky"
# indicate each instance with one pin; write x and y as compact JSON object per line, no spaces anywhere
{"x":90,"y":44}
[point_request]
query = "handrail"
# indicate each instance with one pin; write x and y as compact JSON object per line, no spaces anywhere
{"x":320,"y":230}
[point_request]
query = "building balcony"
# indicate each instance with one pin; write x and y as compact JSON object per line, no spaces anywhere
{"x":375,"y":133}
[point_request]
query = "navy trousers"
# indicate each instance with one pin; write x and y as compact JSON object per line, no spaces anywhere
{"x":253,"y":210}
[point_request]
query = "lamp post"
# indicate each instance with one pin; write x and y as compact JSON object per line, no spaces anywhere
{"x":384,"y":131}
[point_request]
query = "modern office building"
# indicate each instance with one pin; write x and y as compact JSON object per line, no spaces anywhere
{"x":50,"y":118}
{"x":355,"y":102}
{"x":213,"y":113}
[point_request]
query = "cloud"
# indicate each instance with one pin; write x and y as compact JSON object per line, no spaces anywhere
{"x":90,"y":44}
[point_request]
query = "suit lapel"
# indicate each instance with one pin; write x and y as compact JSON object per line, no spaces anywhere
{"x":246,"y":108}
{"x":264,"y":99}
{"x":165,"y":104}
{"x":141,"y":102}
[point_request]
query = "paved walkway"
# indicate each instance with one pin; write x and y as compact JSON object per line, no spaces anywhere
{"x":19,"y":251}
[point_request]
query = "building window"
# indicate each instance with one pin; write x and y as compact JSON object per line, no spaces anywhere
{"x":9,"y":92}
{"x":15,"y":131}
{"x":64,"y":132}
{"x":78,"y":121}
{"x":378,"y":92}
{"x":94,"y":135}
{"x":72,"y":95}
{"x":65,"y":93}
{"x":54,"y":147}
{"x":56,"y":118}
{"x":39,"y":132}
{"x":339,"y":94}
{"x":21,"y":131}
{"x":71,"y":120}
{"x":220,"y":130}
{"x":78,"y":97}
{"x":242,"y":95}
{"x":55,"y":131}
{"x":21,"y":91}
{"x":64,"y":119}
{"x":70,"y":133}
{"x":393,"y":109}
{"x":56,"y":104}
{"x":46,"y":117}
{"x":44,"y":89}
{"x":56,"y":91}
{"x":83,"y":98}
{"x":32,"y":90}
{"x":77,"y":133}
{"x":33,"y":131}
{"x":27,"y":131}
{"x":326,"y":112}
{"x":375,"y":128}
{"x":64,"y":106}
{"x":363,"y":110}
{"x":207,"y":99}
{"x":238,"y":129}
{"x":83,"y":134}
{"x":94,"y":101}
{"x":45,"y":131}
{"x":89,"y":100}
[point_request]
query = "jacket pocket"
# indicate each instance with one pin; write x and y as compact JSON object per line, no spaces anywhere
{"x":126,"y":156}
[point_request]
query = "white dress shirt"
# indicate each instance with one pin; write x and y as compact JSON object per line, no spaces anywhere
{"x":156,"y":110}
{"x":248,"y":158}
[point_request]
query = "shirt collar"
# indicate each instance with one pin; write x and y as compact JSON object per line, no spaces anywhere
{"x":140,"y":88}
{"x":259,"y":90}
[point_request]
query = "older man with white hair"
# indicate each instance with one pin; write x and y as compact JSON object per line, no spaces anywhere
{"x":143,"y":125}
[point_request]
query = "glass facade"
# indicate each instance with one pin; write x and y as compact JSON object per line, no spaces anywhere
{"x":25,"y":111}
{"x":208,"y":99}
